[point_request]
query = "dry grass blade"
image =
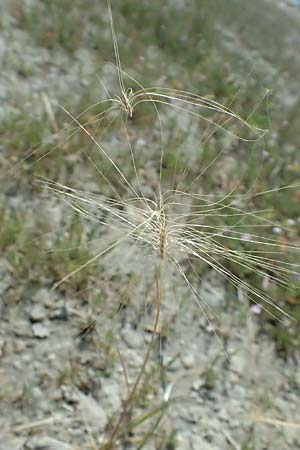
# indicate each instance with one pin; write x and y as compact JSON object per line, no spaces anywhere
{"x":275,"y":422}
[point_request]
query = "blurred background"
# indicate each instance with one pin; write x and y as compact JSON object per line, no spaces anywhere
{"x":60,"y":352}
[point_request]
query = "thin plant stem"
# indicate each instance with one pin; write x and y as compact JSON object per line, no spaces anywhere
{"x":128,"y":403}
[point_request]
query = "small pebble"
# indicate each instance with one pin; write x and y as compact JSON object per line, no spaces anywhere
{"x":37,"y":313}
{"x":21,"y":328}
{"x":42,"y":296}
{"x":92,"y":411}
{"x":256,"y":309}
{"x":40,"y":331}
{"x":69,"y":394}
{"x":290,"y":222}
{"x":19,"y":346}
{"x":59,"y":314}
{"x":132,"y":338}
{"x":188,"y":360}
{"x":196,"y":386}
{"x":56,"y":395}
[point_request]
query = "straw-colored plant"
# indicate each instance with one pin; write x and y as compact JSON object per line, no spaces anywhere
{"x":173,"y":230}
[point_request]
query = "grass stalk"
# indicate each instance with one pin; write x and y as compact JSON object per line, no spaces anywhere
{"x":117,"y":429}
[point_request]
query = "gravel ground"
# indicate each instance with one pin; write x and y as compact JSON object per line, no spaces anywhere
{"x":221,"y":382}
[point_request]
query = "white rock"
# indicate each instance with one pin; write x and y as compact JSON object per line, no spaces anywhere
{"x":132,"y":338}
{"x":92,"y":412}
{"x":42,"y":296}
{"x":113,"y":394}
{"x":37,"y":313}
{"x":40,"y":331}
{"x":21,"y":328}
{"x":183,"y":443}
{"x":212,"y":289}
{"x":188,"y":360}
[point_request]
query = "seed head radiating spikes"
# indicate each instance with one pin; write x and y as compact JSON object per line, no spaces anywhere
{"x":174,"y":237}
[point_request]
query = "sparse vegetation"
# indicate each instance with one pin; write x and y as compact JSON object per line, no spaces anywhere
{"x":147,"y":175}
